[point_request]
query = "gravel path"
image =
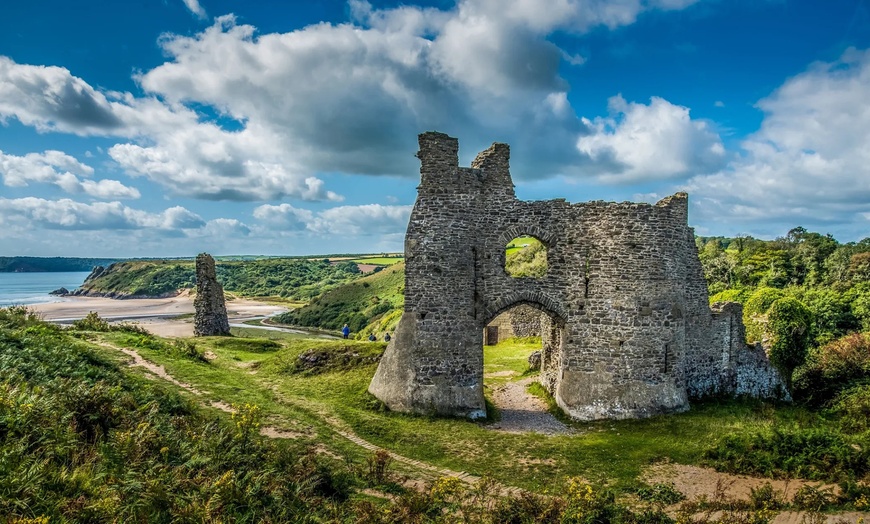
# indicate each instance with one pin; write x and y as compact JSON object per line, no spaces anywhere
{"x":522,"y":412}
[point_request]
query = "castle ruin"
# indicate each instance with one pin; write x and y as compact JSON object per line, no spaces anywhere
{"x":210,"y":305}
{"x":625,"y":323}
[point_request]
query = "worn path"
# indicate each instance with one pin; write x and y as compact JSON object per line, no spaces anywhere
{"x":522,"y":412}
{"x":273,"y":432}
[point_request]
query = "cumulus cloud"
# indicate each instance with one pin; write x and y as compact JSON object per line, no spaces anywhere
{"x":173,"y":147}
{"x":235,"y":115}
{"x":650,"y":142}
{"x":370,"y":219}
{"x":50,"y":98}
{"x":56,"y":167}
{"x":69,"y":214}
{"x":352,"y":97}
{"x":284,"y":216}
{"x":367,"y":219}
{"x":809,"y":160}
{"x":223,"y":228}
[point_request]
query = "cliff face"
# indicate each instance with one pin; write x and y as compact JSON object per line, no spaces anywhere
{"x":138,"y":279}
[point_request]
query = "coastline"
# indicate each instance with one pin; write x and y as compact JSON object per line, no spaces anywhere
{"x":157,"y":315}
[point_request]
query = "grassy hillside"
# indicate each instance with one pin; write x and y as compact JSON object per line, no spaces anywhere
{"x":289,"y":278}
{"x":81,"y":440}
{"x":375,"y":300}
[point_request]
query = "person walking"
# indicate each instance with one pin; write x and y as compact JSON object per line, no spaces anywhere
{"x":372,"y":337}
{"x":345,"y":330}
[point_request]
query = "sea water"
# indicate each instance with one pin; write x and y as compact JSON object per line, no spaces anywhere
{"x":34,"y":288}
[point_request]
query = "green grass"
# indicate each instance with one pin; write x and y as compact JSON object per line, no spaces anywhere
{"x":358,"y":303}
{"x":280,"y":280}
{"x":612,"y":452}
{"x":379,"y":261}
{"x":511,"y":355}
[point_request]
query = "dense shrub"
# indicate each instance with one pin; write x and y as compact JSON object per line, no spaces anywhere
{"x":852,"y":409}
{"x":730,"y":295}
{"x":815,"y":454}
{"x":92,"y":322}
{"x":832,"y":368}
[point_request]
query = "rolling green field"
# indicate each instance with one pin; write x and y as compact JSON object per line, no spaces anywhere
{"x":379,"y":261}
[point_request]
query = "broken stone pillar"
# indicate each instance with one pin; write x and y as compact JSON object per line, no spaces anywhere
{"x":211,"y":309}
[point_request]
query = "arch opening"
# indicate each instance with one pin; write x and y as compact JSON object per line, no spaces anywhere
{"x":526,"y":257}
{"x":523,"y":344}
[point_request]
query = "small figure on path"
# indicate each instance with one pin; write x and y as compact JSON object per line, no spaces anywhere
{"x":387,"y":337}
{"x":372,"y":337}
{"x":345,"y":330}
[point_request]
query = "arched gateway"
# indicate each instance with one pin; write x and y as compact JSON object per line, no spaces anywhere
{"x":627,"y":330}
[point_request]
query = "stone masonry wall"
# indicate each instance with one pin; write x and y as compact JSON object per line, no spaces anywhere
{"x":627,"y":331}
{"x":210,"y":318}
{"x":521,"y":321}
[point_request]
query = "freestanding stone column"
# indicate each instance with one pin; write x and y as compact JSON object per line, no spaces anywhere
{"x":211,"y":309}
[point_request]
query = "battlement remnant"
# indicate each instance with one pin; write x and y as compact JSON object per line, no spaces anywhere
{"x":210,"y":318}
{"x":625,"y":323}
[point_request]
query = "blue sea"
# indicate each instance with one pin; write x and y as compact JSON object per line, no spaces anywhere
{"x":34,"y":288}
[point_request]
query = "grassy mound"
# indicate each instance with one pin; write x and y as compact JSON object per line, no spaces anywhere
{"x":357,"y":304}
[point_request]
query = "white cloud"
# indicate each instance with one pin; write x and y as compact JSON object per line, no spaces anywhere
{"x":69,"y":214}
{"x":650,"y":142}
{"x":223,"y":228}
{"x":195,"y":8}
{"x":809,"y":162}
{"x":363,"y":220}
{"x":50,"y":98}
{"x":56,"y":167}
{"x":284,"y":216}
{"x":172,"y":148}
{"x":104,"y":189}
{"x":370,"y":219}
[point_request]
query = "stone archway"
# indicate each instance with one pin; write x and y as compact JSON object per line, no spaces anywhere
{"x":637,"y":336}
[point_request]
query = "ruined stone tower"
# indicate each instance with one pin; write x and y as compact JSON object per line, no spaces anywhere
{"x":626,"y":327}
{"x":211,"y":309}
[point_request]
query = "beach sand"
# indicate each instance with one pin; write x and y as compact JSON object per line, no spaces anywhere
{"x":157,"y":315}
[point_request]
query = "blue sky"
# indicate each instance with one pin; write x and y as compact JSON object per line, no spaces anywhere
{"x":172,"y":127}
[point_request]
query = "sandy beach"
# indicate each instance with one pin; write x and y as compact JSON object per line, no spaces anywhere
{"x":157,"y":315}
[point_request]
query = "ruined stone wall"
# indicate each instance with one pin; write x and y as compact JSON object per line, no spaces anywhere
{"x":629,"y":332}
{"x":521,"y":321}
{"x":743,"y":369}
{"x":210,"y":318}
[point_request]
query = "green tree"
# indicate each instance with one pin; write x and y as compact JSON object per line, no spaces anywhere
{"x":859,"y":267}
{"x":755,"y":312}
{"x":789,"y":324}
